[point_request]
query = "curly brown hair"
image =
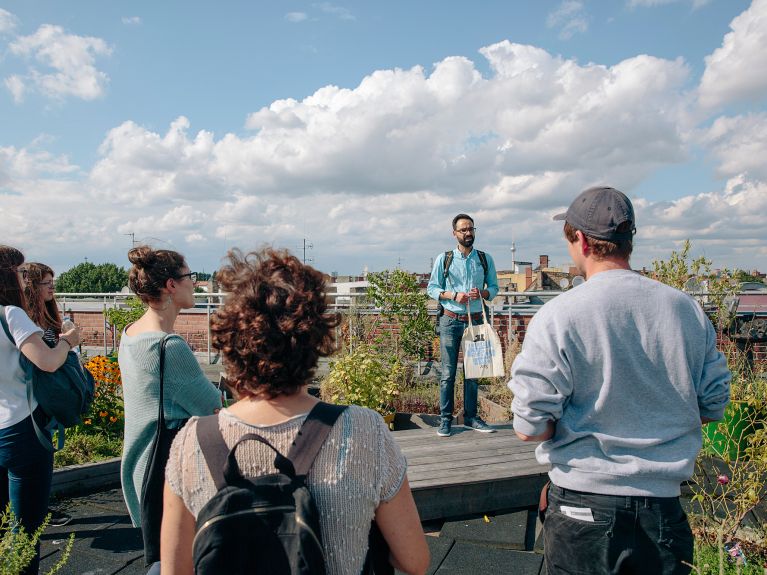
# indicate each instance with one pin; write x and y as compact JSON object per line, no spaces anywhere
{"x":151,"y":270}
{"x":603,"y":248}
{"x":273,"y":326}
{"x":43,"y":313}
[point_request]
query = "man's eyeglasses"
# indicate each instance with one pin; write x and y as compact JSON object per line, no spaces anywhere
{"x":191,"y":275}
{"x":466,"y":230}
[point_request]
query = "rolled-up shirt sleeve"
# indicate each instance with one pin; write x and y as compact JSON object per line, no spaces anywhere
{"x":492,"y":279}
{"x":436,"y":283}
{"x":714,"y":387}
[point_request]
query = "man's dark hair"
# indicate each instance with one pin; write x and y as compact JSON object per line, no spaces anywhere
{"x":604,"y":248}
{"x":462,"y":217}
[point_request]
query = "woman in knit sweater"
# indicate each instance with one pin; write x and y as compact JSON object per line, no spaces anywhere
{"x":271,"y":331}
{"x":164,"y":283}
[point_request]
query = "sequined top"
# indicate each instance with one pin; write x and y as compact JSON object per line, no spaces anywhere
{"x":359,"y":466}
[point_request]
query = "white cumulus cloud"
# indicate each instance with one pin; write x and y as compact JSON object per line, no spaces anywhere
{"x":737,"y":70}
{"x":63,"y":65}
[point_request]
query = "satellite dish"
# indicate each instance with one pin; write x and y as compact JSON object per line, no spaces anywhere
{"x":578,"y":280}
{"x":692,"y":285}
{"x":564,"y":283}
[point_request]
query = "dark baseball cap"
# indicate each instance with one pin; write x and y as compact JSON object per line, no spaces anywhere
{"x":598,"y":212}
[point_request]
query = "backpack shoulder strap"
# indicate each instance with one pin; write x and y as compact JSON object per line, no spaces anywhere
{"x":448,"y":259}
{"x":214,"y":448}
{"x":4,"y":321}
{"x":312,"y":435}
{"x":483,"y":260}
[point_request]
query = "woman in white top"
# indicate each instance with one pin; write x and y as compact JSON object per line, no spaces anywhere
{"x":271,"y":331}
{"x":26,"y":467}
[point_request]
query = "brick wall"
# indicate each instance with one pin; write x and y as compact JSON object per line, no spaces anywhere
{"x":192,"y":325}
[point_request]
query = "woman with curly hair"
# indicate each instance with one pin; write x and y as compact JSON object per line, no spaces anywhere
{"x":26,"y":467}
{"x":271,"y":331}
{"x":162,"y":280}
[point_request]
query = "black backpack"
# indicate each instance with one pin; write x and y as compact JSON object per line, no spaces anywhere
{"x":268,"y":524}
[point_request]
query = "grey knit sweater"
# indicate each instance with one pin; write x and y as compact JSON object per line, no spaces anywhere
{"x":626,"y":366}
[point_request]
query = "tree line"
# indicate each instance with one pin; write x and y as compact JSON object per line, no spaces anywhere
{"x":88,"y":277}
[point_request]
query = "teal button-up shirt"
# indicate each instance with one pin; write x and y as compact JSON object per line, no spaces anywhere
{"x":465,"y":272}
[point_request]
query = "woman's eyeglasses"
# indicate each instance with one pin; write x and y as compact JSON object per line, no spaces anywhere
{"x":191,"y":275}
{"x":48,"y":283}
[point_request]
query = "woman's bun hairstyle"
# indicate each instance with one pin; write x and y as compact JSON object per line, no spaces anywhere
{"x":150,"y":271}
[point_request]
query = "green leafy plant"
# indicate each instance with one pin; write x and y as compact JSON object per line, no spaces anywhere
{"x":728,"y":485}
{"x":17,"y":547}
{"x":362,"y":377}
{"x":120,"y":317}
{"x":82,"y":447}
{"x":403,"y":308}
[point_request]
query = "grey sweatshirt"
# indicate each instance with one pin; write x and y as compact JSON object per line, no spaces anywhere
{"x":626,"y":366}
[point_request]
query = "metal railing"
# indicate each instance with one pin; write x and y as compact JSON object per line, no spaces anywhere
{"x":507,"y":303}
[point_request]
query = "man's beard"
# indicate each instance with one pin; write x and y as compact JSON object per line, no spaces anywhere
{"x":466,"y":242}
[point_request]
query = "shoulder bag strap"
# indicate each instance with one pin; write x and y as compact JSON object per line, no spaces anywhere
{"x":161,"y":413}
{"x":312,"y":435}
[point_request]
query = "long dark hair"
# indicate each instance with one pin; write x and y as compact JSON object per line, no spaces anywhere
{"x":11,"y":291}
{"x":43,"y":313}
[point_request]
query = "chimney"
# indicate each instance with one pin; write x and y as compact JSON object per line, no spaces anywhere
{"x":528,"y":277}
{"x":544,"y":261}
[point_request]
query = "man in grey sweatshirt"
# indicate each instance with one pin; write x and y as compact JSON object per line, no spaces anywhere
{"x":616,"y":377}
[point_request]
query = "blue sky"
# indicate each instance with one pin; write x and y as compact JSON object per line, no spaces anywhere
{"x":364,"y":127}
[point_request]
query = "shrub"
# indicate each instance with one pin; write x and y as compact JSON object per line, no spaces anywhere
{"x":17,"y":547}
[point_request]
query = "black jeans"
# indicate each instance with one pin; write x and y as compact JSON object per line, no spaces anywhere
{"x":586,"y":533}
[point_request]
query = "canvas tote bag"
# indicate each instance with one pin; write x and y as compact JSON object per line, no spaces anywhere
{"x":482,"y":352}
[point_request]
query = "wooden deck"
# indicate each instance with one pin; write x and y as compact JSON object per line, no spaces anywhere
{"x":470,"y":472}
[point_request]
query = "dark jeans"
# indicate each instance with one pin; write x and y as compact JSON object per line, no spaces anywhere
{"x":628,"y":535}
{"x":26,"y":470}
{"x":450,"y":335}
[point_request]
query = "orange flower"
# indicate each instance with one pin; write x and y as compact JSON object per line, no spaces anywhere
{"x":87,"y":422}
{"x":113,"y":419}
{"x":103,"y":413}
